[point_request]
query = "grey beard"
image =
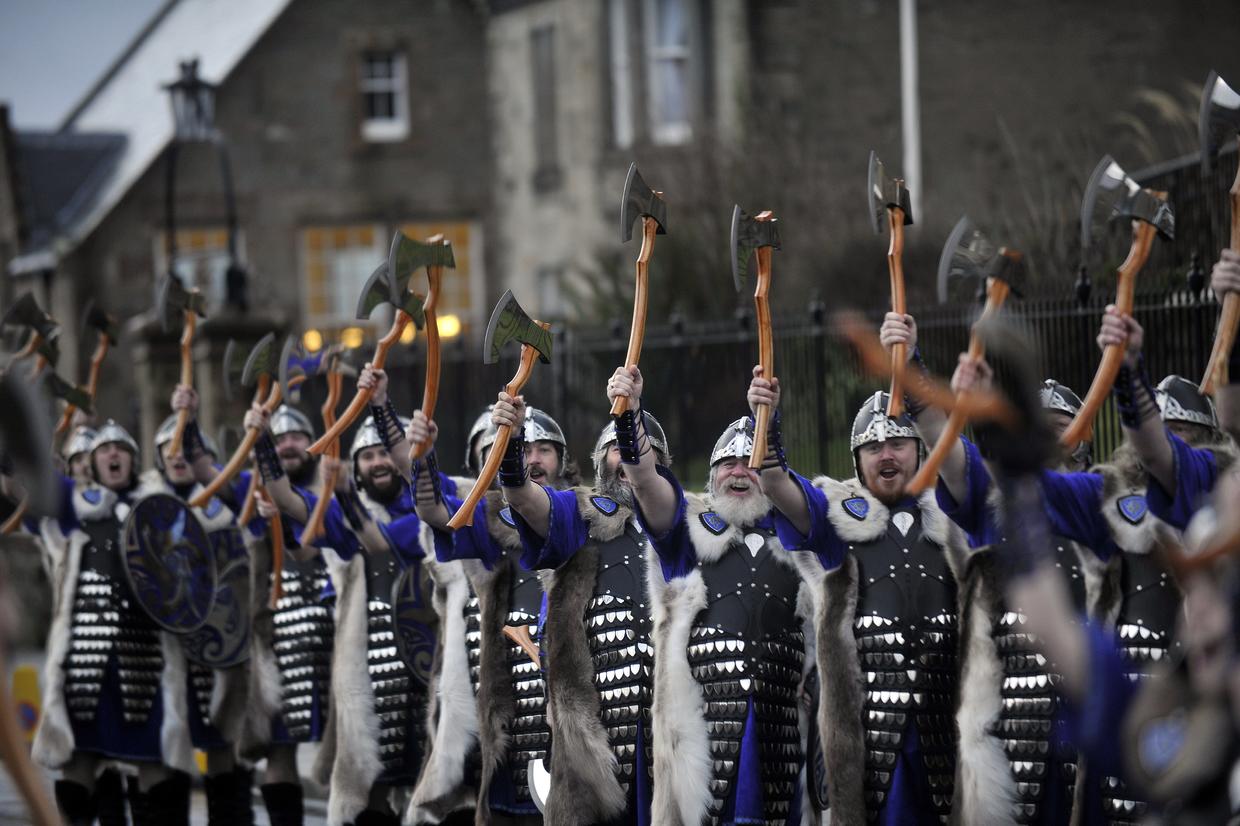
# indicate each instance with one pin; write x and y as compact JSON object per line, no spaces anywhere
{"x":609,"y":484}
{"x":740,"y":513}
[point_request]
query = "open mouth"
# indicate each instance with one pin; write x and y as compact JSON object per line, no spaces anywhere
{"x":738,"y":487}
{"x":114,"y":467}
{"x":537,"y":473}
{"x":380,"y":475}
{"x":889,"y":473}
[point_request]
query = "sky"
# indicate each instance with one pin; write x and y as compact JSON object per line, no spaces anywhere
{"x":51,"y":51}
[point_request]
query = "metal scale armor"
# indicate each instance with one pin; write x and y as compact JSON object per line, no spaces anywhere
{"x":302,"y":639}
{"x":747,"y":646}
{"x":906,"y":632}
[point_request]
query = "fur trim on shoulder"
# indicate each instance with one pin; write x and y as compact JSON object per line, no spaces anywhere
{"x":604,"y":526}
{"x":174,"y":739}
{"x":709,"y":546}
{"x":502,"y":533}
{"x":682,"y":759}
{"x":53,"y":740}
{"x":88,"y":511}
{"x":849,"y":528}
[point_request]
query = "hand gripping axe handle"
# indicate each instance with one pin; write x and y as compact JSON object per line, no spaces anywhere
{"x":173,"y":297}
{"x":1220,"y":117}
{"x":508,"y":323}
{"x":639,"y":200}
{"x":998,"y":287}
{"x":757,"y":236}
{"x":389,"y":284}
{"x":1122,"y":197}
{"x":314,"y":525}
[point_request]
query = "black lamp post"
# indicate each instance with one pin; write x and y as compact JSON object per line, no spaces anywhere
{"x":193,"y":113}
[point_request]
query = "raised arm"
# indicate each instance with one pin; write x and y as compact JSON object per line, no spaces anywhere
{"x":1225,"y":279}
{"x":431,"y":511}
{"x":778,"y":484}
{"x":526,"y":497}
{"x":654,"y":494}
{"x":355,"y":513}
{"x":270,"y":470}
{"x":386,"y":419}
{"x":185,"y":397}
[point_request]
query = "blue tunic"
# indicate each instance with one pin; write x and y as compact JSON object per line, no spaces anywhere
{"x":1196,"y":473}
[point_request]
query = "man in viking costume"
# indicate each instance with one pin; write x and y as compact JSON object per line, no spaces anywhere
{"x":114,"y":683}
{"x":728,"y":606}
{"x":76,"y":453}
{"x":513,"y":732}
{"x":884,"y":568}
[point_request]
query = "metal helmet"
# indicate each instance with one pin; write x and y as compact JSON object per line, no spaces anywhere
{"x":1179,"y":401}
{"x":872,"y":423}
{"x":539,"y":427}
{"x":368,"y":436}
{"x":654,"y":432}
{"x":736,"y":441}
{"x":1059,"y":398}
{"x":481,"y":429}
{"x":112,"y":432}
{"x":290,"y":420}
{"x":162,"y":437}
{"x":79,"y":441}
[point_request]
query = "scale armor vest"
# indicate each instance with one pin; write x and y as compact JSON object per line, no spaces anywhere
{"x":748,"y":644}
{"x":906,"y":629}
{"x":473,"y":637}
{"x":1030,"y":699}
{"x":201,"y":681}
{"x":302,"y":640}
{"x":400,"y":698}
{"x":618,"y":631}
{"x":531,"y":735}
{"x":106,"y":621}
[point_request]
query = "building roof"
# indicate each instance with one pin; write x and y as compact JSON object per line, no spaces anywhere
{"x":129,"y":110}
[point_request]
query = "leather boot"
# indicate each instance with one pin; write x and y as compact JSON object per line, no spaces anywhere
{"x":75,"y":802}
{"x":372,"y":818}
{"x":110,"y":799}
{"x":284,"y":803}
{"x":167,"y":802}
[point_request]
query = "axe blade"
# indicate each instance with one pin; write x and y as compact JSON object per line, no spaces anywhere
{"x":1111,"y":194}
{"x":261,"y":361}
{"x":414,"y":307}
{"x":407,"y":256}
{"x":1008,"y":266}
{"x":24,"y":437}
{"x":377,"y":290}
{"x":748,"y":233}
{"x":75,"y":396}
{"x":967,"y":253}
{"x":94,"y":318}
{"x":638,"y":200}
{"x":26,"y":312}
{"x":1219,"y":117}
{"x":233,"y":366}
{"x":174,"y":298}
{"x":511,"y":323}
{"x":885,"y":192}
{"x":291,"y":365}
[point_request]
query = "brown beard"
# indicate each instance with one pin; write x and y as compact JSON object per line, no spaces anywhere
{"x":609,"y":484}
{"x":386,"y":494}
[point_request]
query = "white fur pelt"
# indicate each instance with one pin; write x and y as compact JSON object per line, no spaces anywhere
{"x":348,"y":760}
{"x":266,"y":685}
{"x":451,"y":710}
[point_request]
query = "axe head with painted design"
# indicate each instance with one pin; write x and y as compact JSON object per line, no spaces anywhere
{"x":971,"y":255}
{"x":509,"y":322}
{"x":380,"y":288}
{"x":749,"y":232}
{"x":262,"y":361}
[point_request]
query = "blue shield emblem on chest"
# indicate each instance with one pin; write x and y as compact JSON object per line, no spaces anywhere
{"x":1161,"y":742}
{"x":213,"y":508}
{"x":505,"y":516}
{"x":857,"y":507}
{"x":713,"y":522}
{"x":1133,"y":508}
{"x":92,"y":495}
{"x":606,"y":505}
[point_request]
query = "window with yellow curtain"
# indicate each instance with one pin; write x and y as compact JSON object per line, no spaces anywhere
{"x":335,"y":263}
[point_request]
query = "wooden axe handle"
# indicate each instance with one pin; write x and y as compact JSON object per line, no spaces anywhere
{"x":520,"y":634}
{"x":16,"y":758}
{"x":1113,"y":356}
{"x":15,"y":518}
{"x":641,"y":289}
{"x":276,"y":532}
{"x":92,"y":384}
{"x":465,"y":513}
{"x":36,"y":341}
{"x":1216,"y":368}
{"x":187,"y":376}
{"x":362,"y":399}
{"x":430,"y":391}
{"x":766,"y":353}
{"x":248,"y":506}
{"x":895,"y":267}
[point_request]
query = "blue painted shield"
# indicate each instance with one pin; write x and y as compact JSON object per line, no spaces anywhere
{"x":857,"y":507}
{"x":505,"y":516}
{"x":224,"y":639}
{"x":713,"y":522}
{"x":1133,"y":508}
{"x":414,"y":620}
{"x":1162,"y":741}
{"x":169,"y":562}
{"x":605,"y":505}
{"x":92,"y":495}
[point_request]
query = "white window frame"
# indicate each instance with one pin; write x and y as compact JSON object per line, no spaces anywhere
{"x":395,"y":128}
{"x":342,"y":297}
{"x":671,"y":133}
{"x":621,"y":73}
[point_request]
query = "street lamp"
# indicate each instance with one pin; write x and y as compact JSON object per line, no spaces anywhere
{"x":193,"y":114}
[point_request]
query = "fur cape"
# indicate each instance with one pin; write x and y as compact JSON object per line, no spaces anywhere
{"x":266,"y":684}
{"x":981,"y":764}
{"x":451,"y":712}
{"x":53,"y":740}
{"x":683,"y":764}
{"x":583,"y":773}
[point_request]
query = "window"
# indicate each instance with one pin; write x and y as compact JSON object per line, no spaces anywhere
{"x":202,"y":261}
{"x":546,"y":137}
{"x":385,"y":96}
{"x":336,"y":261}
{"x":621,"y":71}
{"x":670,"y":70}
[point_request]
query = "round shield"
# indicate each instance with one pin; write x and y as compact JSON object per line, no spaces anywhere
{"x":169,"y":563}
{"x":414,"y":621}
{"x":224,"y":640}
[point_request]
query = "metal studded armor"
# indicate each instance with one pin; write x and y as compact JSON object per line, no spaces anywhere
{"x":906,"y":632}
{"x":618,"y":631}
{"x":748,"y":645}
{"x":302,"y":640}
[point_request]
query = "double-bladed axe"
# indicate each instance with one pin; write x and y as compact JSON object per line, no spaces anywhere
{"x":292,"y":360}
{"x":388,"y":284}
{"x":1220,"y":121}
{"x":889,"y":198}
{"x":104,"y":325}
{"x":970,"y":253}
{"x":508,"y":323}
{"x":191,"y":304}
{"x":757,"y":236}
{"x":1113,"y":194}
{"x":44,"y":332}
{"x":639,"y":200}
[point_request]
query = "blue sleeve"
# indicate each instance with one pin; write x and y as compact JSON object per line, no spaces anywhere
{"x":402,"y":535}
{"x":822,"y":539}
{"x":447,"y":485}
{"x":337,"y":534}
{"x":66,"y":518}
{"x":470,"y":541}
{"x":1094,"y":725}
{"x":974,"y":516}
{"x":1196,"y":472}
{"x":675,"y":549}
{"x":566,"y":533}
{"x":1074,"y":509}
